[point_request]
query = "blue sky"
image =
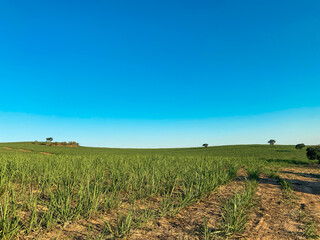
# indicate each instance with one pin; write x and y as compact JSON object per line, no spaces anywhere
{"x":160,"y":73}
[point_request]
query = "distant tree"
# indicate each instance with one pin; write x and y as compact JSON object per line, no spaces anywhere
{"x":313,"y":153}
{"x":300,"y":146}
{"x":50,"y":139}
{"x":205,"y":145}
{"x":272,"y":142}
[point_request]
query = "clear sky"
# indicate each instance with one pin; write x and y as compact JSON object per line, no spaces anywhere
{"x":160,"y":73}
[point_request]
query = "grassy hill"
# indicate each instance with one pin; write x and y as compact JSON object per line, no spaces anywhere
{"x":273,"y":153}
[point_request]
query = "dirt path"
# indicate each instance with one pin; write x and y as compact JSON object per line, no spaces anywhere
{"x":306,"y":185}
{"x":47,"y":153}
{"x":24,"y":150}
{"x":273,"y":217}
{"x":278,"y":217}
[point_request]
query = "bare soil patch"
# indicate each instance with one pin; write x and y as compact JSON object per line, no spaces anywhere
{"x":24,"y":150}
{"x":279,"y":218}
{"x":306,"y":185}
{"x":46,"y":153}
{"x":273,"y":217}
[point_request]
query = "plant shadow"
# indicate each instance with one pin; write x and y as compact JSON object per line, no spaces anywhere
{"x":287,"y":161}
{"x":309,"y":187}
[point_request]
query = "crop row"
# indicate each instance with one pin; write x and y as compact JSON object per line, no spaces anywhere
{"x":38,"y":192}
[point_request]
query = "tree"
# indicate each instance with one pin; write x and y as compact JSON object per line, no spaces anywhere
{"x":300,"y":146}
{"x":50,"y":139}
{"x":205,"y":145}
{"x":313,"y":153}
{"x":272,"y":142}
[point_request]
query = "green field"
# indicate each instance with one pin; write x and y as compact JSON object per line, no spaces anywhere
{"x":39,"y":192}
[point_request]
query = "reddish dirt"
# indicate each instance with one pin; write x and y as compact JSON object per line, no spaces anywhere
{"x":46,"y":153}
{"x":273,"y":218}
{"x":24,"y":150}
{"x":7,"y":147}
{"x":281,"y":217}
{"x":20,"y":149}
{"x":306,"y":185}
